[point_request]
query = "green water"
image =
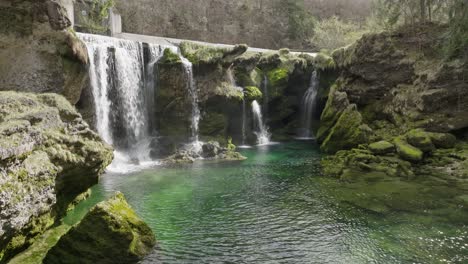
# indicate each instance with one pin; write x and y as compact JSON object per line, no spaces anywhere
{"x":276,"y":208}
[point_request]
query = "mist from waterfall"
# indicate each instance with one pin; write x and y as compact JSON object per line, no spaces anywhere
{"x":309,"y":102}
{"x":123,"y":97}
{"x":260,"y":129}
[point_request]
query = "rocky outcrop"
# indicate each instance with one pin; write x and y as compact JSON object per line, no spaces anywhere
{"x":111,"y":232}
{"x":48,"y":156}
{"x":226,"y":79}
{"x":408,"y":99}
{"x":39,"y":52}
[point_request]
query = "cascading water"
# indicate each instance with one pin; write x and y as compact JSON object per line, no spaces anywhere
{"x":265,"y":96}
{"x":195,"y":144}
{"x":121,"y":97}
{"x":155,"y":52}
{"x":260,"y":129}
{"x":244,"y":123}
{"x":309,"y":102}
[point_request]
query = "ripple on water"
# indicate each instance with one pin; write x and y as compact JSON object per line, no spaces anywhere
{"x":274,"y":208}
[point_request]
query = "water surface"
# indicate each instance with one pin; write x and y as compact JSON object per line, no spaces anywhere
{"x":277,"y":208}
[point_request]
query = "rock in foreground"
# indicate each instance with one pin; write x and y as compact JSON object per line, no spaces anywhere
{"x":48,"y":156}
{"x":110,"y":233}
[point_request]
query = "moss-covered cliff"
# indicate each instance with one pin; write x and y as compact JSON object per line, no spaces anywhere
{"x":396,"y":110}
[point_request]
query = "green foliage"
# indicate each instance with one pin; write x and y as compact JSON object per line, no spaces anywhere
{"x":301,"y":23}
{"x":197,"y":53}
{"x":170,"y":57}
{"x":333,"y":33}
{"x":457,"y":36}
{"x":98,"y":12}
{"x":252,"y":93}
{"x":278,"y":77}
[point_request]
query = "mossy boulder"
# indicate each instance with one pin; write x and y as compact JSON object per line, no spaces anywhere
{"x":337,"y":102}
{"x":360,"y":163}
{"x":111,"y":232}
{"x":443,"y":140}
{"x":381,"y":147}
{"x":48,"y":157}
{"x":420,"y":139}
{"x":407,"y":151}
{"x":348,"y":132}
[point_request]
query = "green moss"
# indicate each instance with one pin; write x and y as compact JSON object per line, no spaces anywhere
{"x":230,"y":145}
{"x":252,"y":93}
{"x":406,"y":151}
{"x":204,"y":54}
{"x":442,"y":140}
{"x":278,"y":77}
{"x":170,"y":57}
{"x":336,"y":104}
{"x":420,"y":139}
{"x":382,"y":147}
{"x":36,"y":253}
{"x":111,"y":230}
{"x":348,"y":132}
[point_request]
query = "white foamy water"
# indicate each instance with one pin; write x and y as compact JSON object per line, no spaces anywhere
{"x":123,"y":88}
{"x":260,"y":129}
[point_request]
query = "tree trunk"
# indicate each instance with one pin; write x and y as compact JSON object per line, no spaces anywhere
{"x":422,"y":7}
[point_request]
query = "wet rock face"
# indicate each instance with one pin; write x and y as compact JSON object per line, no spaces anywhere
{"x":48,"y":156}
{"x":111,"y":232}
{"x":39,"y":53}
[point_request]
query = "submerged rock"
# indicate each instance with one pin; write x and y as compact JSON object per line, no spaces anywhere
{"x":48,"y":156}
{"x":111,"y":232}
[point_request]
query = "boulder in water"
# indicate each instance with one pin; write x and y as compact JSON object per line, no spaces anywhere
{"x":111,"y":232}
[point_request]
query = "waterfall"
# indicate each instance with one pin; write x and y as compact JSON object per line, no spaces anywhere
{"x":195,"y":144}
{"x":123,"y":96}
{"x":265,"y":96}
{"x":309,"y":102}
{"x":244,"y":123}
{"x":261,"y":131}
{"x":155,"y":52}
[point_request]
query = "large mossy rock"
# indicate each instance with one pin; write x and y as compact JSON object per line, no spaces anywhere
{"x":48,"y":156}
{"x":341,"y":124}
{"x":407,"y":151}
{"x":39,"y":51}
{"x":111,"y":232}
{"x":420,"y":139}
{"x":337,"y":102}
{"x":348,"y":132}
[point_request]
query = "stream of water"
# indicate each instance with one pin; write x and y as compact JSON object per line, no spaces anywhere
{"x":275,"y":207}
